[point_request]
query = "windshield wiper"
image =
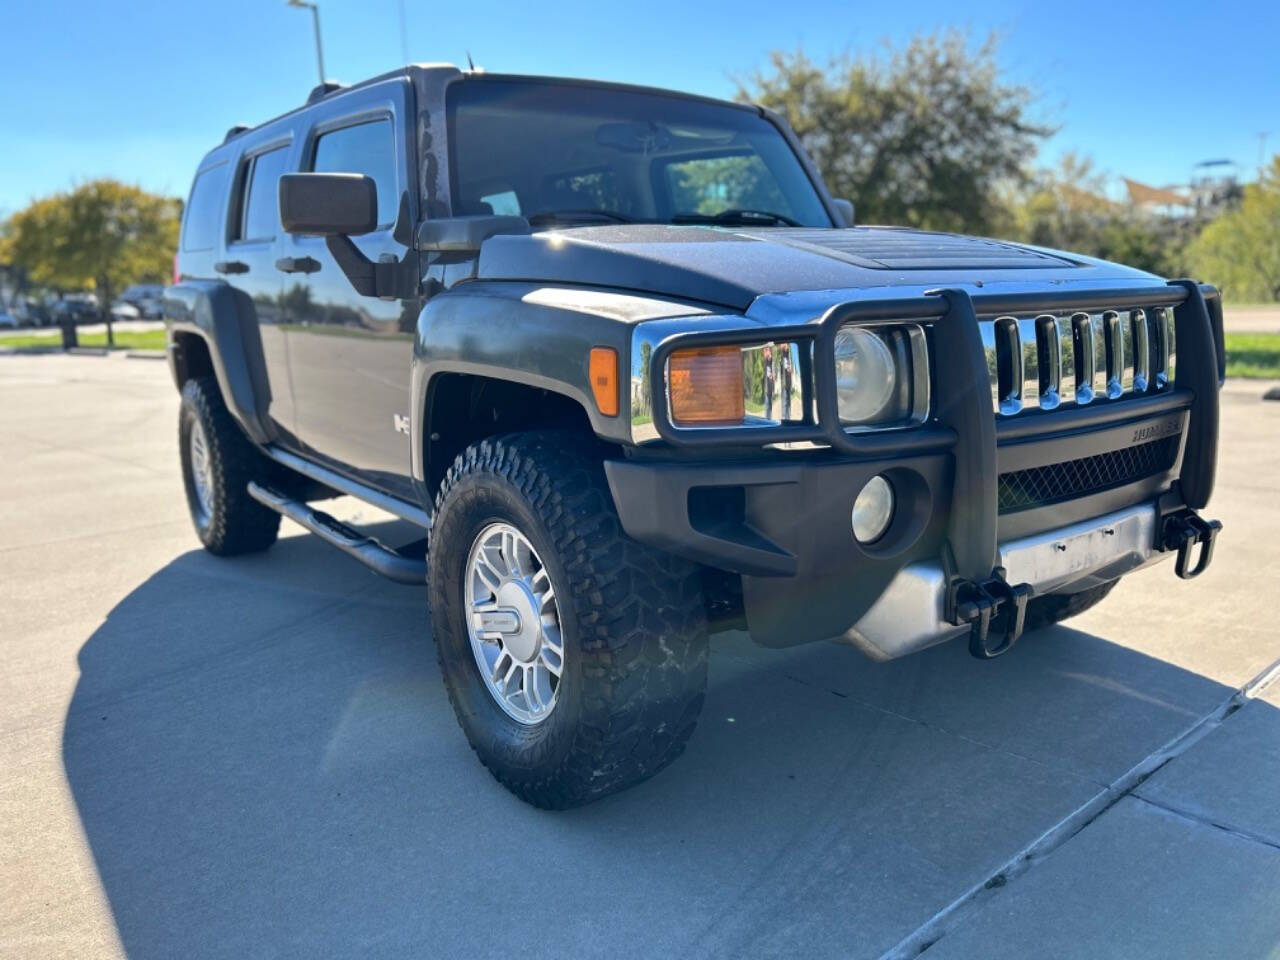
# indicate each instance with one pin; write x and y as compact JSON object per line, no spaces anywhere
{"x":740,"y":217}
{"x":570,"y":216}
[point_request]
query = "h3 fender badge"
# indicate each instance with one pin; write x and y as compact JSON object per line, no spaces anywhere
{"x":401,"y":423}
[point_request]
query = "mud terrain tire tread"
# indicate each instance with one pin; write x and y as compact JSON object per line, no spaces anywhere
{"x":634,"y":624}
{"x":237,"y":523}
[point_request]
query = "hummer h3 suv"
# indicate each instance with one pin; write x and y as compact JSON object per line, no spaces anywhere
{"x":636,"y":375}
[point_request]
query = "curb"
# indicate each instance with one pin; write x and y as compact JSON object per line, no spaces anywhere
{"x":971,"y":902}
{"x":146,"y":354}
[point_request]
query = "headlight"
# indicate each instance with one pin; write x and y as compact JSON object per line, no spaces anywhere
{"x":866,"y":377}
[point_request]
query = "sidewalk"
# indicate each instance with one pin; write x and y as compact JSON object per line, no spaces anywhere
{"x":1186,"y":863}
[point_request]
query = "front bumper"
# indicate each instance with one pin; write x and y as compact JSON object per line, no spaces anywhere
{"x":781,"y":518}
{"x":911,"y":613}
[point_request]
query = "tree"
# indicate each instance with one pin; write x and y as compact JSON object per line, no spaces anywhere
{"x":925,"y":137}
{"x":1067,"y":208}
{"x":1240,"y":251}
{"x":102,"y":235}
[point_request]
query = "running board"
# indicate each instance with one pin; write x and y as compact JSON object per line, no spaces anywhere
{"x":379,"y":558}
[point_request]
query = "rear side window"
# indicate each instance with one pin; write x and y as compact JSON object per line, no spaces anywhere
{"x":260,"y":218}
{"x":203,"y":222}
{"x":367,"y":148}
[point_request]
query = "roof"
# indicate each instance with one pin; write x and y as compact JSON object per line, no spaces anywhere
{"x":329,"y":88}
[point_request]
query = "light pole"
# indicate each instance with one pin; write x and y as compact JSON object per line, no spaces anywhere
{"x":315,"y":14}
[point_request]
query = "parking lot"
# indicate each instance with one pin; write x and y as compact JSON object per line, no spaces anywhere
{"x":256,"y":757}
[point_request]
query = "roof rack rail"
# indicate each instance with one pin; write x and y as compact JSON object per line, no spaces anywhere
{"x":322,"y":90}
{"x":235,"y":131}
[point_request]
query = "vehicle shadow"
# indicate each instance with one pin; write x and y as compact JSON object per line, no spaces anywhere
{"x":265,"y":763}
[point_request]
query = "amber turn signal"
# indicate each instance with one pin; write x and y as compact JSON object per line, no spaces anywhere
{"x":706,"y":386}
{"x":603,"y":371}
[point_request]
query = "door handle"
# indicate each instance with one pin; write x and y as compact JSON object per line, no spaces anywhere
{"x":298,"y":265}
{"x":231,"y":266}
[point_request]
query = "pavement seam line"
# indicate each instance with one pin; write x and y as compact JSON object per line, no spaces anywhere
{"x":1192,"y":817}
{"x":969,"y":902}
{"x":1262,"y":681}
{"x":57,"y":541}
{"x":89,"y":452}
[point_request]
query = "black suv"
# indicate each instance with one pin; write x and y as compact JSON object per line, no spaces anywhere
{"x":636,"y":376}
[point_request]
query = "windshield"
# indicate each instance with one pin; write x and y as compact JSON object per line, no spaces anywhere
{"x":562,"y":153}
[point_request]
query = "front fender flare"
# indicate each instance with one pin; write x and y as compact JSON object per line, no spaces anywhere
{"x":501,"y":331}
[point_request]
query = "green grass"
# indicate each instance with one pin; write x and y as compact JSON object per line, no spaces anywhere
{"x":125,"y":340}
{"x":1253,"y":356}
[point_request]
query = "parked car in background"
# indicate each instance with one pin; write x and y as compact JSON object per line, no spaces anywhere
{"x":31,"y":313}
{"x":8,"y":321}
{"x":77,"y":307}
{"x":144,"y":298}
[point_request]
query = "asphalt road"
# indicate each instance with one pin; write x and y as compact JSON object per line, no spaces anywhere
{"x":256,"y":757}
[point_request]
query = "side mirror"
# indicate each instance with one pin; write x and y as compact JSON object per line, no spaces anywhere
{"x":845,"y":209}
{"x":328,"y":204}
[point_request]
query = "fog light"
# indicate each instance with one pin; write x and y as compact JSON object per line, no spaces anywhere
{"x":873,"y":510}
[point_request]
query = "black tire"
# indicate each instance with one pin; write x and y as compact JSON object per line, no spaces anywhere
{"x":1054,"y":608}
{"x":633,"y":624}
{"x":233,"y":522}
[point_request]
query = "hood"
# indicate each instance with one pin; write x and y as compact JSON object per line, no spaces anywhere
{"x":732,"y":267}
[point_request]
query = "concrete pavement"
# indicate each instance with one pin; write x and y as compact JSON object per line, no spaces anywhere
{"x":256,"y":757}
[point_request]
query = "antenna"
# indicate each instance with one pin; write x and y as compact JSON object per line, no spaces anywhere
{"x":470,"y":66}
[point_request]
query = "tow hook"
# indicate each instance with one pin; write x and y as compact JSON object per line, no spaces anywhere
{"x":1181,"y":531}
{"x":987,"y":606}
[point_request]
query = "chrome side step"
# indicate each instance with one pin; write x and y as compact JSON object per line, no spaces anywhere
{"x":352,"y":488}
{"x":392,"y":564}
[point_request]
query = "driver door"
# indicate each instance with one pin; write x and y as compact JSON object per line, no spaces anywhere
{"x":350,"y":355}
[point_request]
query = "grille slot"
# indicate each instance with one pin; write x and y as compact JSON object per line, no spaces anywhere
{"x":1055,"y":482}
{"x":1054,"y":360}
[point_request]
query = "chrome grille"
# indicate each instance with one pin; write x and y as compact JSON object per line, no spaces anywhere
{"x":1038,"y":486}
{"x":1056,"y":359}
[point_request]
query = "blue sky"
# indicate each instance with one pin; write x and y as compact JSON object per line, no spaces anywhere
{"x":140,"y":89}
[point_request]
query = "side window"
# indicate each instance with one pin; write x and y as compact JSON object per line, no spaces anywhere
{"x":367,"y":148}
{"x":260,"y":205}
{"x":203,"y":221}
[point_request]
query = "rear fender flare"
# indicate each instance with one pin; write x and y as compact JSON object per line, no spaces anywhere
{"x":225,"y":318}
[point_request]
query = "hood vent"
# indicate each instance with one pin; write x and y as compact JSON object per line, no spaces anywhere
{"x":888,"y":248}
